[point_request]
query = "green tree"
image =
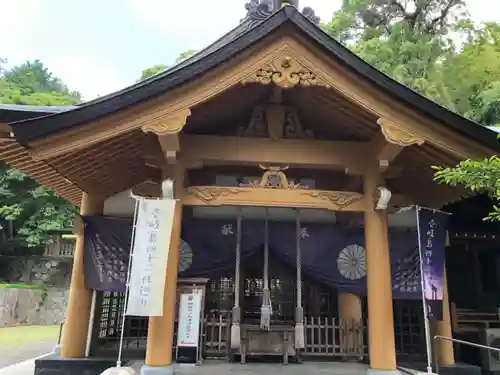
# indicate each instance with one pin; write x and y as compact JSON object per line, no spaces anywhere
{"x":146,"y":73}
{"x":406,"y":40}
{"x":34,"y":78}
{"x":414,"y":42}
{"x":28,"y":210}
{"x":185,"y":55}
{"x":474,"y":73}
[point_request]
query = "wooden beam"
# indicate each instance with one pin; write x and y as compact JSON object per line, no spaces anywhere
{"x":384,"y":152}
{"x":265,"y":197}
{"x":170,"y":146}
{"x":354,"y":156}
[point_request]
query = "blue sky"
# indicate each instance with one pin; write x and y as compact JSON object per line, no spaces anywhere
{"x":100,"y":46}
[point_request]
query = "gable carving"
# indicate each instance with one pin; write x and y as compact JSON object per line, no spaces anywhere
{"x":268,"y":121}
{"x":274,"y":177}
{"x":395,"y":134}
{"x":286,"y":72}
{"x":257,"y":126}
{"x":172,"y":124}
{"x":275,"y":120}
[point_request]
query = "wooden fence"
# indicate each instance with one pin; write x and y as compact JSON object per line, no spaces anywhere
{"x":327,"y":337}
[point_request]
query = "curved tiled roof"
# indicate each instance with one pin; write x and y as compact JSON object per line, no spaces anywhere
{"x":20,"y":112}
{"x":242,"y":37}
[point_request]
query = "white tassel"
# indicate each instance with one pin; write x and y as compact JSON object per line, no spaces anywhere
{"x":299,"y":335}
{"x":235,"y":336}
{"x":265,"y":318}
{"x":266,"y":310}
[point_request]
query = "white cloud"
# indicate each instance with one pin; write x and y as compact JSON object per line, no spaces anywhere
{"x":192,"y":24}
{"x":484,"y":10}
{"x":87,"y":74}
{"x":18,"y":20}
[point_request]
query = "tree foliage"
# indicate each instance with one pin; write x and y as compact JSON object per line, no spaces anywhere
{"x":27,"y":210}
{"x":433,"y":47}
{"x":474,"y":73}
{"x":146,"y":73}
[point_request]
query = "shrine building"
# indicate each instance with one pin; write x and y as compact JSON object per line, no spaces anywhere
{"x":292,"y":160}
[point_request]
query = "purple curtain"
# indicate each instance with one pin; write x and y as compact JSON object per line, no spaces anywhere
{"x":331,"y":255}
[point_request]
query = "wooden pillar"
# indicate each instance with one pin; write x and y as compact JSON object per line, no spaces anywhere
{"x":381,"y":343}
{"x":351,"y":315}
{"x":161,"y":328}
{"x":443,"y":328}
{"x":350,"y":306}
{"x":74,"y":336}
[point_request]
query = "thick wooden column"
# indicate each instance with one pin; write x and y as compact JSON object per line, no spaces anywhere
{"x":351,"y":313}
{"x":161,"y":328}
{"x":443,"y":328}
{"x":350,"y":306}
{"x":76,"y":323}
{"x":378,"y":278}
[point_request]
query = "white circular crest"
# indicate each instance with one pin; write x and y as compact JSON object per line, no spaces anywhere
{"x":185,"y":256}
{"x":351,"y":262}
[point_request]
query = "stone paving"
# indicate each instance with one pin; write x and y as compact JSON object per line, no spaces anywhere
{"x":13,"y":355}
{"x":26,"y":367}
{"x":211,"y":367}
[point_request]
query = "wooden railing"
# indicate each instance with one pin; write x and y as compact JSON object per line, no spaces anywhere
{"x":334,"y":337}
{"x":469,"y":320}
{"x":327,"y":337}
{"x":216,"y":332}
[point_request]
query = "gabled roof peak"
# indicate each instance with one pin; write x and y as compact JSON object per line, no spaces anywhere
{"x":259,"y":10}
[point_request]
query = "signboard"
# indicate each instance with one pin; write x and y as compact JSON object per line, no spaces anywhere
{"x":188,"y":332}
{"x":153,"y":229}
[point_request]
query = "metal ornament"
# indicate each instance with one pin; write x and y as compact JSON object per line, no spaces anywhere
{"x":259,"y":10}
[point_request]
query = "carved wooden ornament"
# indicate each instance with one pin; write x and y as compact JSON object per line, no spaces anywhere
{"x":286,"y":72}
{"x":395,"y":134}
{"x":274,"y":178}
{"x":274,"y":189}
{"x":266,"y":197}
{"x":172,"y":124}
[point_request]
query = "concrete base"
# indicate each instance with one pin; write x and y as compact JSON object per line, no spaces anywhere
{"x":372,"y":371}
{"x":148,"y":370}
{"x":55,"y":365}
{"x":460,"y":369}
{"x":119,"y":371}
{"x":457,"y":369}
{"x":57,"y":349}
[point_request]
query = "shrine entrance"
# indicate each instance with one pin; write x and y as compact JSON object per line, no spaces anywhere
{"x":328,"y":333}
{"x":259,"y":307}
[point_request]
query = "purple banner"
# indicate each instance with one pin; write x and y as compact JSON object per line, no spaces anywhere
{"x":432,"y":231}
{"x":107,"y":249}
{"x":331,"y":255}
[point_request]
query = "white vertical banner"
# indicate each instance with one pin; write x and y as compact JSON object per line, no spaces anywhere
{"x":188,"y":333}
{"x":153,"y":229}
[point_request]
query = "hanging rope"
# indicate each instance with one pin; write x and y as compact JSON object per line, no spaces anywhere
{"x":235,"y":326}
{"x":266,"y":308}
{"x":299,"y":312}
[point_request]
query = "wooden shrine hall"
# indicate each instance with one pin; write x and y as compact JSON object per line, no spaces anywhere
{"x":275,"y":118}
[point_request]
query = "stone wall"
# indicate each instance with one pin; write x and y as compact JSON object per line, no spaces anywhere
{"x":32,"y":306}
{"x":50,"y":271}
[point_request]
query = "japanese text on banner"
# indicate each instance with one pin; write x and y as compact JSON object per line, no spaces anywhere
{"x":150,"y":256}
